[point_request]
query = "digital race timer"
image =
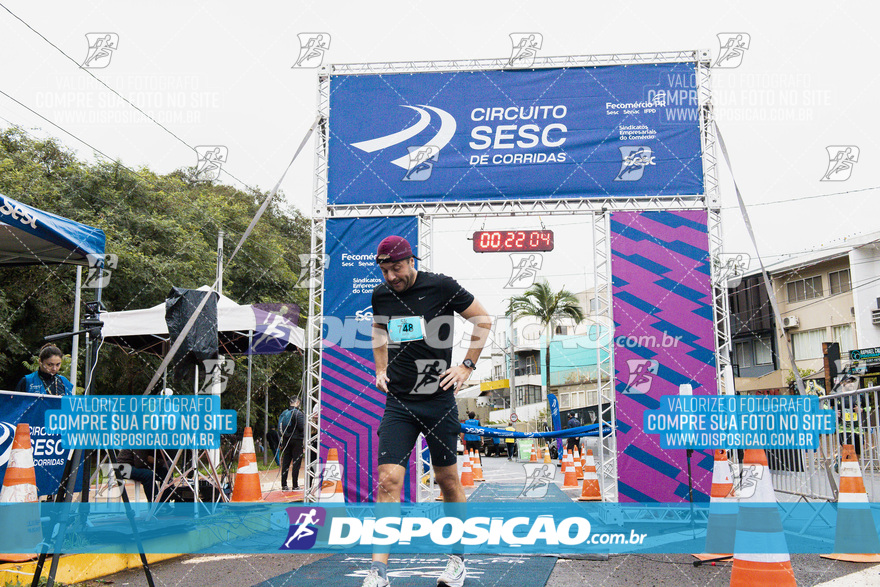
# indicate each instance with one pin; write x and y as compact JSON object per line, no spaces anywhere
{"x":513,"y":241}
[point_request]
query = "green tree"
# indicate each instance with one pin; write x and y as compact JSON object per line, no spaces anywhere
{"x":549,"y":307}
{"x":163,"y":228}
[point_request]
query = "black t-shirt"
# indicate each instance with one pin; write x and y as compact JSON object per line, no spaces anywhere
{"x":415,"y":367}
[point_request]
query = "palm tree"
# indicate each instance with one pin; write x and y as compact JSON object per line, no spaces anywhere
{"x":541,"y":302}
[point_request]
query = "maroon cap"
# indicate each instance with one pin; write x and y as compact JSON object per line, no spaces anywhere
{"x":393,"y":249}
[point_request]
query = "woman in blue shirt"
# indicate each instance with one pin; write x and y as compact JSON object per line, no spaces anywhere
{"x":46,"y":379}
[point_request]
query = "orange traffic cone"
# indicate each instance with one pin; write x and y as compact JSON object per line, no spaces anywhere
{"x":591,"y":490}
{"x":570,"y":472}
{"x":467,"y":475}
{"x":20,"y":486}
{"x":547,"y":458}
{"x":721,"y":524}
{"x":855,"y":531}
{"x":584,"y":460}
{"x":578,"y":465}
{"x":477,"y":466}
{"x":331,"y":481}
{"x":534,"y":457}
{"x":247,"y":476}
{"x":758,"y":528}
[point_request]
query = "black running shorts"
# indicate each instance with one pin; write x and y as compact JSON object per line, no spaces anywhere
{"x":436,"y":418}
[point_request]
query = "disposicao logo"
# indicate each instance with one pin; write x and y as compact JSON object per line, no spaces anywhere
{"x":440,"y":140}
{"x":304,"y":523}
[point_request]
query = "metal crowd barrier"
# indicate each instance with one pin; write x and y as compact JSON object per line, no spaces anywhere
{"x":812,"y":475}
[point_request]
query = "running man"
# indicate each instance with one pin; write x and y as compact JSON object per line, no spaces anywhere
{"x":412,"y":335}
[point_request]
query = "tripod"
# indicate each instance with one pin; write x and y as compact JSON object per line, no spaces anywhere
{"x":91,"y":324}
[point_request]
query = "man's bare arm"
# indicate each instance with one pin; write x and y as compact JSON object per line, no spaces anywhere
{"x":380,"y":355}
{"x":475,"y":314}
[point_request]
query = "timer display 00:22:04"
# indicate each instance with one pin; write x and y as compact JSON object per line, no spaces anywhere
{"x":513,"y":241}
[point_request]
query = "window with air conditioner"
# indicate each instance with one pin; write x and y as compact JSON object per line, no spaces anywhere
{"x":804,"y":289}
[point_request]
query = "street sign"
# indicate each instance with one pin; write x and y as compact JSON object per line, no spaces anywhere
{"x":513,"y":417}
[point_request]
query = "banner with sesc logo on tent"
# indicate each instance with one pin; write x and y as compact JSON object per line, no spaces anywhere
{"x":49,"y":456}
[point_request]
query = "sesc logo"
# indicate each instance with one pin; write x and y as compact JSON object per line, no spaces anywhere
{"x":428,"y":151}
{"x":635,"y":160}
{"x":364,"y":315}
{"x":304,"y":523}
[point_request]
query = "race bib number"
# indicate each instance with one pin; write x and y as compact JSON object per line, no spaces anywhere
{"x":406,"y":329}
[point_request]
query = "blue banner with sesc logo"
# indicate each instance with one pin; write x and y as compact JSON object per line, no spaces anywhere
{"x":578,"y":132}
{"x":49,"y":456}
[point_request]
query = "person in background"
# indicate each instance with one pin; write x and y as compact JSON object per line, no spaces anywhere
{"x":472,"y":441}
{"x":511,"y":442}
{"x":45,"y":379}
{"x":574,"y":441}
{"x":148,"y":467}
{"x":292,"y":426}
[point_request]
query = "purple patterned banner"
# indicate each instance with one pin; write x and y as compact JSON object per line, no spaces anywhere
{"x":664,"y":338}
{"x":351,"y":405}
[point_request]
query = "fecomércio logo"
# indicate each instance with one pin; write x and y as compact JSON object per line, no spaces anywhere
{"x":210,"y":161}
{"x":641,"y":375}
{"x":841,"y":159}
{"x":539,"y":477}
{"x":421,"y":162}
{"x":524,"y":269}
{"x":524,"y":48}
{"x":312,"y":48}
{"x":732,"y":48}
{"x":101,"y":49}
{"x":304,"y":524}
{"x":435,"y":144}
{"x":634,"y":160}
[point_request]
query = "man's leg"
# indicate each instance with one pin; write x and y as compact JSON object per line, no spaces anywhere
{"x":388,"y":492}
{"x":145,"y":478}
{"x":286,"y":458}
{"x":454,"y":506}
{"x":297,"y":450}
{"x":450,"y":484}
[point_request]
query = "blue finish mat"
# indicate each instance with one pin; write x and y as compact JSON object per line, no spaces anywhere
{"x":419,"y":571}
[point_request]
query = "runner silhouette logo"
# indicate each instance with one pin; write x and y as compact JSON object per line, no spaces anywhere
{"x":304,"y":524}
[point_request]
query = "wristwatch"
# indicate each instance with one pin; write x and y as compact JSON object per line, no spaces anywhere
{"x":469,"y":364}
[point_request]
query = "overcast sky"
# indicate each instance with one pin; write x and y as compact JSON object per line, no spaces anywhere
{"x":220,"y":73}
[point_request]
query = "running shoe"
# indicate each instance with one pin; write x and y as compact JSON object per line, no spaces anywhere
{"x":454,"y":574}
{"x":374,"y":580}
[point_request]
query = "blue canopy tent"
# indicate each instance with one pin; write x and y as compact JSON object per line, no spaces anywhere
{"x":29,"y":236}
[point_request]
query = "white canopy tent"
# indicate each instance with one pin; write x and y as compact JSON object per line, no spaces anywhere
{"x":146,"y":330}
